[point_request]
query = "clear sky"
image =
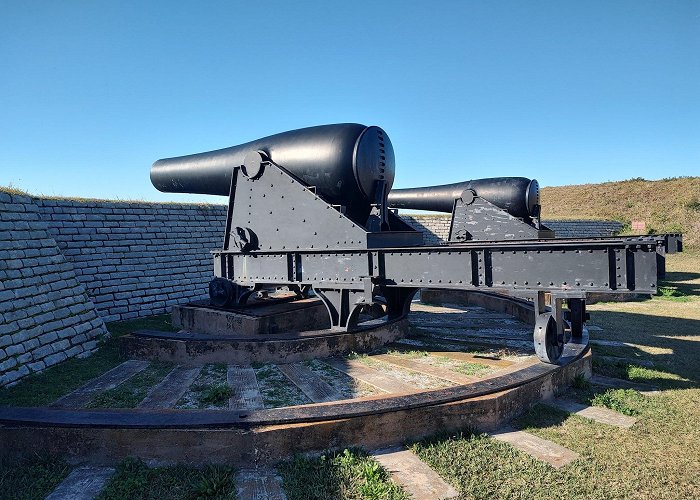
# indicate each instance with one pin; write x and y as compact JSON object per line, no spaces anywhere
{"x":92,"y":92}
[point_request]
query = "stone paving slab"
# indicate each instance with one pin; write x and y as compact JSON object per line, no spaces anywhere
{"x":83,"y":483}
{"x":426,"y":369}
{"x":630,"y":361}
{"x":171,"y":388}
{"x":259,"y":484}
{"x":80,"y":397}
{"x":316,"y":389}
{"x":610,"y":343}
{"x":414,"y":475}
{"x":358,"y":370}
{"x":618,"y":383}
{"x":552,"y":453}
{"x":245,"y":392}
{"x":595,"y":413}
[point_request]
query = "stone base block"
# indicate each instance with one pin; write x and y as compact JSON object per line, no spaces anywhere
{"x":260,"y":318}
{"x":195,"y":348}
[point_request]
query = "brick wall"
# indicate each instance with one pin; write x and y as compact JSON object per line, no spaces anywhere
{"x":436,"y":228}
{"x":137,"y":259}
{"x":584,"y":228}
{"x":45,"y":314}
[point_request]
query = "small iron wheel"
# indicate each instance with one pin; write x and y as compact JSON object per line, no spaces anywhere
{"x":220,"y":292}
{"x":549,"y":345}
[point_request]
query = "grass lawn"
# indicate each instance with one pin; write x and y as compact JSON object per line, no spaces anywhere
{"x":657,"y":458}
{"x":134,"y":480}
{"x":31,"y":478}
{"x":346,"y":474}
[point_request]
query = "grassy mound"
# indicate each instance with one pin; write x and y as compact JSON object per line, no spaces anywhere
{"x":666,"y":206}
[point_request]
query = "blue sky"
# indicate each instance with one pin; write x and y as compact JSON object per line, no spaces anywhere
{"x":92,"y":92}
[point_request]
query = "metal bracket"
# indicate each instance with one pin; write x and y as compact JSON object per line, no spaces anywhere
{"x":344,"y":305}
{"x":378,"y":217}
{"x":474,"y":218}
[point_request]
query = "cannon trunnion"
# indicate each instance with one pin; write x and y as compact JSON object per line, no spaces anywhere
{"x":309,"y":211}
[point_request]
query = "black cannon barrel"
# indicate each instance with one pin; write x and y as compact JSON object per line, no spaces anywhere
{"x":343,"y":161}
{"x":516,"y":195}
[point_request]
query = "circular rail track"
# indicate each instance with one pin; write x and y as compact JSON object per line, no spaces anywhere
{"x":469,"y":365}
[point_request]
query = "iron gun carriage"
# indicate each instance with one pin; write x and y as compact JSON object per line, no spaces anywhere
{"x":313,"y":210}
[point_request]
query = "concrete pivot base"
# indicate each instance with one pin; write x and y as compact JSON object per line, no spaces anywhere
{"x":258,"y":318}
{"x":191,"y":348}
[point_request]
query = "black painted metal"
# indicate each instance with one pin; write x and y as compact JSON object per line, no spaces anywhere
{"x":308,"y":209}
{"x":518,"y":196}
{"x":342,"y":161}
{"x":475,"y":218}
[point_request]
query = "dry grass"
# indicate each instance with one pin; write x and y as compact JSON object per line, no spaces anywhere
{"x":667,"y":205}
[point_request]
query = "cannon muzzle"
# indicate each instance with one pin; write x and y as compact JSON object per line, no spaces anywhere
{"x":519,"y":196}
{"x":343,"y":161}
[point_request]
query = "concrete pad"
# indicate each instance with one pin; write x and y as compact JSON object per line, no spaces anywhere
{"x":83,"y":483}
{"x":310,"y":384}
{"x":171,"y":388}
{"x":618,"y":383}
{"x":414,"y":475}
{"x":259,"y":484}
{"x":358,"y":370}
{"x":245,"y":393}
{"x":596,"y":413}
{"x":427,"y":369}
{"x":80,"y":397}
{"x":555,"y":455}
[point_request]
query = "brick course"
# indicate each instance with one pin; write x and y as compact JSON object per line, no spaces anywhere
{"x":137,"y":259}
{"x":41,"y":300}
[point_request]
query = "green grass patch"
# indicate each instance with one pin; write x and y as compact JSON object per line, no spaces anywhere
{"x":409,"y":353}
{"x":209,"y":390}
{"x":625,"y":401}
{"x":44,"y":388}
{"x":160,"y":322}
{"x":466,"y":368}
{"x":276,"y":389}
{"x":356,"y":355}
{"x":669,"y":291}
{"x":217,"y":395}
{"x":131,"y":392}
{"x":134,"y":480}
{"x":346,"y":474}
{"x":580,"y":382}
{"x":629,"y":371}
{"x":31,"y":478}
{"x":481,"y":467}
